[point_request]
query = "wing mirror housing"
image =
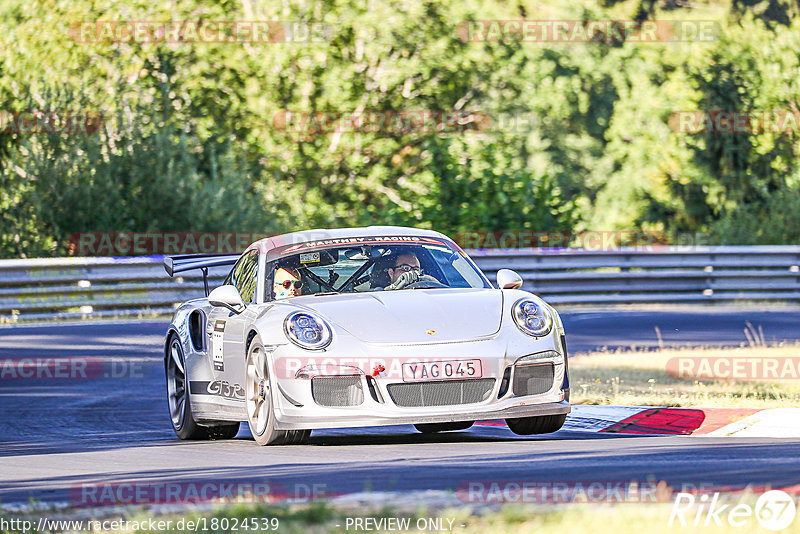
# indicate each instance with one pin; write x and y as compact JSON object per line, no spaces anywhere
{"x":508,"y":279}
{"x":227,"y":297}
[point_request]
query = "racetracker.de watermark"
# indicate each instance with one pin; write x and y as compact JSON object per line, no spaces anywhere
{"x":407,"y":369}
{"x":776,"y":121}
{"x":194,"y":492}
{"x":596,"y":240}
{"x":307,"y":124}
{"x":77,"y":368}
{"x":587,"y":31}
{"x":734,"y":368}
{"x":37,"y":121}
{"x":532,"y":492}
{"x":200,"y":31}
{"x":144,"y":243}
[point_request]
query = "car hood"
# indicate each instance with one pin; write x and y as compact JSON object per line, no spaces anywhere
{"x":412,"y":316}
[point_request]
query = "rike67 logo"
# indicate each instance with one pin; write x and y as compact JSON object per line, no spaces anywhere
{"x":774,"y":510}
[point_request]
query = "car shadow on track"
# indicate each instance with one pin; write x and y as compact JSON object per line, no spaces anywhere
{"x":107,"y":439}
{"x":407,"y":434}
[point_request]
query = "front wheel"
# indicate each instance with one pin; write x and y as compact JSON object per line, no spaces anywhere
{"x":260,"y":408}
{"x":546,"y":424}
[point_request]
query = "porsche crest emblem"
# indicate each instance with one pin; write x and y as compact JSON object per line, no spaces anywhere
{"x":430,"y":332}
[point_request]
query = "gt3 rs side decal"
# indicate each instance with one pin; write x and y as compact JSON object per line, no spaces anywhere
{"x":219,"y":388}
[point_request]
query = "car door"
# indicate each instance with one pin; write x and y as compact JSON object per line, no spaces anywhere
{"x":227,"y":331}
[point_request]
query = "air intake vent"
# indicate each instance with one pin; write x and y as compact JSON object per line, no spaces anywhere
{"x":504,"y":383}
{"x":533,"y":379}
{"x":337,"y":391}
{"x":441,"y":393}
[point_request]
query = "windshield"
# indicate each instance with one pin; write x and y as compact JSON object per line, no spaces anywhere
{"x":371,"y":267}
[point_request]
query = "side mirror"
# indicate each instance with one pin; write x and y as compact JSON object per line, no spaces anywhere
{"x":508,"y":279}
{"x":227,"y":297}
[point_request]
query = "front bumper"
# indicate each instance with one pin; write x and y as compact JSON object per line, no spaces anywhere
{"x":296,"y":408}
{"x":473,"y":413}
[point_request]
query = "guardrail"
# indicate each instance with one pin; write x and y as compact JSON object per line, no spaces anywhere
{"x":89,"y":287}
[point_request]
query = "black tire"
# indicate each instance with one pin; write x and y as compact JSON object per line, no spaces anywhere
{"x":545,"y":424}
{"x":432,"y":428}
{"x":298,"y":437}
{"x":180,"y":409}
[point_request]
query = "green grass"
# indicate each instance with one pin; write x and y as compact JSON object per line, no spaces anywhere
{"x":578,"y":518}
{"x":640,"y":378}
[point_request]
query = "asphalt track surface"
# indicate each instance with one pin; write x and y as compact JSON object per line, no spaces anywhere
{"x":57,"y":434}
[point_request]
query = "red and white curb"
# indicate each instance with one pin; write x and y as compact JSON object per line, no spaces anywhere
{"x":777,"y":422}
{"x":739,"y":422}
{"x":656,"y":420}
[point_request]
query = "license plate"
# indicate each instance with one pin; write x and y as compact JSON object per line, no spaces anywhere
{"x":443,"y":370}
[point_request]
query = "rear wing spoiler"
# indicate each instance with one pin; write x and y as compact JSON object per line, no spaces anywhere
{"x":189,"y":262}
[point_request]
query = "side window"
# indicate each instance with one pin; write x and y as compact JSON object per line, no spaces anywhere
{"x":245,"y":275}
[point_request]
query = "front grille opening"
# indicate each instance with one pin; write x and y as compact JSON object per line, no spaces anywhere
{"x":337,"y":390}
{"x":504,"y":383}
{"x":441,"y":392}
{"x":533,"y":379}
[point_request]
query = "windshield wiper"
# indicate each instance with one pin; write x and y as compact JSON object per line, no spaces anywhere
{"x":326,"y":293}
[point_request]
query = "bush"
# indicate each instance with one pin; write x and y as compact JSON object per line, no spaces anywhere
{"x":129,"y":177}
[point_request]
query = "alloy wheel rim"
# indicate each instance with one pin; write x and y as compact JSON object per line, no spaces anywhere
{"x":258,"y":391}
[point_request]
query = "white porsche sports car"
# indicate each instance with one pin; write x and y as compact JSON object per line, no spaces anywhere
{"x":361,"y":327}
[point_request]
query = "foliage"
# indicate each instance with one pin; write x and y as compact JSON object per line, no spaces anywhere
{"x":129,"y":177}
{"x":578,"y":136}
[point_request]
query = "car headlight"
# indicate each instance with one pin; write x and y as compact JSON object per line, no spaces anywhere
{"x":308,"y":331}
{"x":532,"y":317}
